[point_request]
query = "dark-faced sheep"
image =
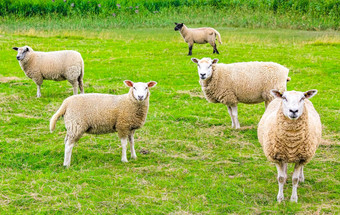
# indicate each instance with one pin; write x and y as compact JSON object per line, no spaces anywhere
{"x":199,"y":35}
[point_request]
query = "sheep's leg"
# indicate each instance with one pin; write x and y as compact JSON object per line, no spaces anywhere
{"x":69,"y":143}
{"x":124,"y":144}
{"x":281,"y":178}
{"x":231,"y":116}
{"x":234,"y":115}
{"x":38,"y":91}
{"x":74,"y":85}
{"x":295,"y":181}
{"x":302,"y":176}
{"x":81,"y":85}
{"x":266,"y":103}
{"x":215,"y":49}
{"x":132,"y":146}
{"x":38,"y":81}
{"x":190,"y":48}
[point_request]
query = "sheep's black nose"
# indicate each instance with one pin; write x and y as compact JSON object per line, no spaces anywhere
{"x":140,"y":98}
{"x":293,"y":111}
{"x":17,"y":57}
{"x":202,"y":75}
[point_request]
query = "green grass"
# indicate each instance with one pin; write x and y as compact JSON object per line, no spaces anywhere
{"x":196,"y":163}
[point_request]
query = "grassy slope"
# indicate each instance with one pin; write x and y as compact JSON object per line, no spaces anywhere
{"x":197,"y":163}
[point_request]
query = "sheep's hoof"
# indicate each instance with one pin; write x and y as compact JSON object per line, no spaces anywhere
{"x":293,"y":198}
{"x":280,"y":198}
{"x":134,"y":157}
{"x":124,"y":160}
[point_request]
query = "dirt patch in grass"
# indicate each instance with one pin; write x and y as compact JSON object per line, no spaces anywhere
{"x":192,"y":93}
{"x":8,"y":79}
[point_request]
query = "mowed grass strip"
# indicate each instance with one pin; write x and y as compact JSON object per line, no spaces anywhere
{"x":189,"y":158}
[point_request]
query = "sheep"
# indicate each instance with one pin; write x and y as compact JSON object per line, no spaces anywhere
{"x":104,"y":113}
{"x":248,"y":82}
{"x":198,"y":35}
{"x":57,"y":66}
{"x":290,"y":132}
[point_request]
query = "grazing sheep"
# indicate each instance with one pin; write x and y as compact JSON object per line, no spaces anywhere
{"x":198,"y":35}
{"x":57,"y":66}
{"x":290,"y":132}
{"x":104,"y":113}
{"x":248,"y":83}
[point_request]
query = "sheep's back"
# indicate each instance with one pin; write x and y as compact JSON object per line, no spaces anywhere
{"x":55,"y":65}
{"x":250,"y":80}
{"x":95,"y":113}
{"x":202,"y":35}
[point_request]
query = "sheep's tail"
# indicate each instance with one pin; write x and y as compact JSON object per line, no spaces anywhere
{"x":80,"y":79}
{"x":56,"y":116}
{"x":218,"y":37}
{"x":288,"y":79}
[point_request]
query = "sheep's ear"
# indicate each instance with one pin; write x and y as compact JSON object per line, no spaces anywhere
{"x":176,"y":23}
{"x":276,"y":93}
{"x":152,"y":84}
{"x":215,"y":61}
{"x":195,"y":60}
{"x":15,"y":48}
{"x":128,"y":83}
{"x":310,"y":93}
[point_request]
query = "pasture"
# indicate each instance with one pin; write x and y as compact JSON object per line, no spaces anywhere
{"x":190,"y":160}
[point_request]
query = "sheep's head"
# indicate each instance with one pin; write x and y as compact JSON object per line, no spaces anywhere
{"x":22,"y":52}
{"x":178,"y":26}
{"x":293,"y":102}
{"x":140,"y":90}
{"x":204,"y":67}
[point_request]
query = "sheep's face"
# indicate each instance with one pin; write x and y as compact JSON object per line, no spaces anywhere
{"x":22,"y":52}
{"x":178,"y":26}
{"x":293,"y":102}
{"x":204,"y":67}
{"x":140,"y":91}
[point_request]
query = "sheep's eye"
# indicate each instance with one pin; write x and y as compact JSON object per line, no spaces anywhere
{"x":284,"y":98}
{"x":209,"y":66}
{"x":134,"y":88}
{"x":146,"y":88}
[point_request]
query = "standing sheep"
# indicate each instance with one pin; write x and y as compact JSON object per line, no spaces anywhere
{"x":57,"y":66}
{"x":290,"y":132}
{"x":248,"y":83}
{"x":198,"y":35}
{"x":104,"y":113}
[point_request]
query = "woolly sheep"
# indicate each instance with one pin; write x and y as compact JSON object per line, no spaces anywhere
{"x":248,"y":83}
{"x":290,"y":132}
{"x":198,"y":35}
{"x":57,"y":66}
{"x":104,"y":113}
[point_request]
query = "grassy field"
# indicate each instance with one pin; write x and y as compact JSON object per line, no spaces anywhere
{"x":189,"y":159}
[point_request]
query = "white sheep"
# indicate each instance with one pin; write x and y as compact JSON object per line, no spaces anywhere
{"x":248,"y":82}
{"x":290,"y":132}
{"x":198,"y":35}
{"x":57,"y":66}
{"x":104,"y":113}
